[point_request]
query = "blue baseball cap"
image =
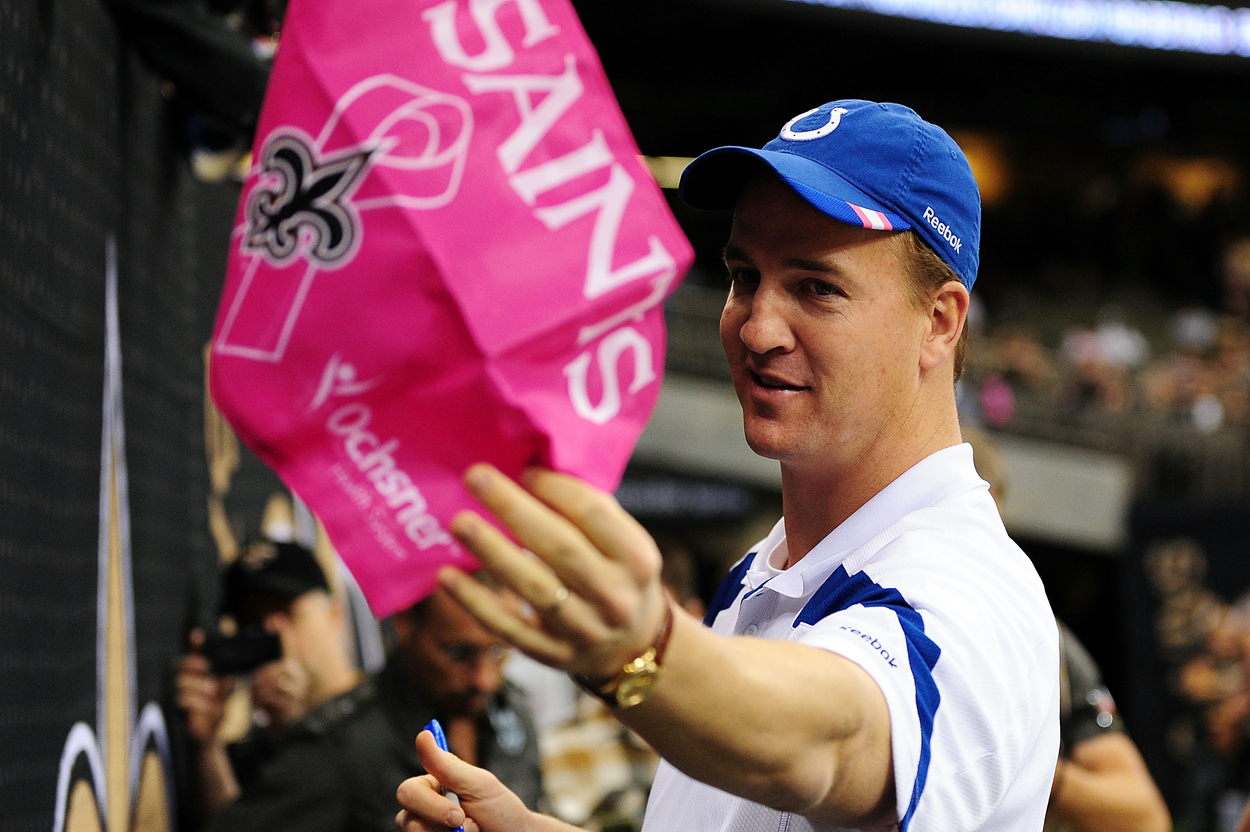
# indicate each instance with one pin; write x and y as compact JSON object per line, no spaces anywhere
{"x":874,"y":165}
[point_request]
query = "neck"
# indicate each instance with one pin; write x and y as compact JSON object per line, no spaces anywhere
{"x":334,"y":681}
{"x":819,"y":496}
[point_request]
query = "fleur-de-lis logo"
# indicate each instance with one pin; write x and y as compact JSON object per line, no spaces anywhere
{"x":301,"y":196}
{"x":115,"y":776}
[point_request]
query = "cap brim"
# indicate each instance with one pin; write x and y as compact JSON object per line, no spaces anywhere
{"x":714,"y":181}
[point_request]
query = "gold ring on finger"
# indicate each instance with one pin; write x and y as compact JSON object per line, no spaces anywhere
{"x":562,"y":595}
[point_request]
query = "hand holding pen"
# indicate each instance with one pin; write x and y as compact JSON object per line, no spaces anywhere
{"x":485,"y":804}
{"x":440,"y":739}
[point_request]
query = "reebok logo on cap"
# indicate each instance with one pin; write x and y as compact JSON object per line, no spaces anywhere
{"x":941,"y":228}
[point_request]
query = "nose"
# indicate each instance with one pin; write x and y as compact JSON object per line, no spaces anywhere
{"x":765,"y":325}
{"x":487,"y":675}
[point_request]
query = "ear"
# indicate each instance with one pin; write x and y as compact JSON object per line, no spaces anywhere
{"x":401,"y":623}
{"x":947,"y":317}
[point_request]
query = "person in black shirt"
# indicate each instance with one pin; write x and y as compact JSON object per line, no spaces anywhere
{"x":336,"y":768}
{"x":1101,"y":782}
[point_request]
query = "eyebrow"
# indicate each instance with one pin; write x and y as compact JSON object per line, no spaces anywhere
{"x":732,"y":252}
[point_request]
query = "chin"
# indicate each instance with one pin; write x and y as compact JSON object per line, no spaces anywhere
{"x":767,"y":443}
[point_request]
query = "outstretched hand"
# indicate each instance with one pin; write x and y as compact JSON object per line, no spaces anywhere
{"x":485,"y":804}
{"x":593,"y":577}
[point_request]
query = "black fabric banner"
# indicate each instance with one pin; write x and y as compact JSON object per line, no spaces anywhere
{"x":90,"y":152}
{"x":1186,"y":569}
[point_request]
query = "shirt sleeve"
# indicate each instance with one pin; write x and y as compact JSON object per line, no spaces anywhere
{"x":961,"y":720}
{"x":893,"y":652}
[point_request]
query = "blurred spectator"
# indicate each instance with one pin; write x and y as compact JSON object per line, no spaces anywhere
{"x":1217,"y":682}
{"x":1023,"y":361}
{"x":1187,"y":384}
{"x":1122,"y":345}
{"x":337,"y":768}
{"x":1101,"y":781}
{"x":680,"y":574}
{"x":275,"y":588}
{"x":1012,"y":362}
{"x":1202,"y":383}
{"x":1102,"y":360}
{"x":1231,"y":367}
{"x":328,"y":750}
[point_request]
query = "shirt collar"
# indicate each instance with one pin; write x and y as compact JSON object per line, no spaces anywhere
{"x":940,"y":475}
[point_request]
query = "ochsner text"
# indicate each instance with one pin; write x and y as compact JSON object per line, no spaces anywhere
{"x":376,"y":460}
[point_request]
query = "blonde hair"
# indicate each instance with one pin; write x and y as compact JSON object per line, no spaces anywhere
{"x":927,"y":272}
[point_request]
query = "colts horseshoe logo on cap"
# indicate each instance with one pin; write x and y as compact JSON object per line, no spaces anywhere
{"x":835,"y":118}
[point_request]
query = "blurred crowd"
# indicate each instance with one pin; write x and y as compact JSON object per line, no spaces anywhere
{"x":1194,"y":371}
{"x":1204,"y":644}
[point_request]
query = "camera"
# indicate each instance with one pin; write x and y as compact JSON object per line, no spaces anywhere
{"x":242,"y":653}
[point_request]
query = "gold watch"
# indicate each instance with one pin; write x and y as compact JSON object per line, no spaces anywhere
{"x":633,"y":684}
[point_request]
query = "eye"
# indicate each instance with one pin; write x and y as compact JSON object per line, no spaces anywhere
{"x":822,"y":289}
{"x":742,"y":277}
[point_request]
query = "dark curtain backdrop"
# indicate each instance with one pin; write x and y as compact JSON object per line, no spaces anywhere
{"x":88,"y":149}
{"x":1186,"y":564}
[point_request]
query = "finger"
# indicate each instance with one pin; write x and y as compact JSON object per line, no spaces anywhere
{"x":494,"y":615}
{"x":195,"y":663}
{"x":532,"y":579}
{"x":599,"y":517}
{"x":538,"y":527}
{"x":423,"y":800}
{"x":197,"y":640}
{"x":200,"y":686}
{"x":200,"y":699}
{"x":196,"y":706}
{"x":470,"y":783}
{"x":405,"y":821}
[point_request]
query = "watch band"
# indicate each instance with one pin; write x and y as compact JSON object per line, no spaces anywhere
{"x":652,"y":657}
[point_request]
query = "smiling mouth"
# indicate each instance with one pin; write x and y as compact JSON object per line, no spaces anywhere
{"x":772,"y":383}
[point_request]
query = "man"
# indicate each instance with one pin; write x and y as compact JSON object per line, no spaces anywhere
{"x":277,"y":588}
{"x":336,"y":768}
{"x":1101,"y":781}
{"x":886,"y":658}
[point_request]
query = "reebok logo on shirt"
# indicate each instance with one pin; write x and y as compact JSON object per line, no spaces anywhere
{"x":874,"y":643}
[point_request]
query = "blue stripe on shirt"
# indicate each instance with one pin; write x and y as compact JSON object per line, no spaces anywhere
{"x":841,"y":591}
{"x":728,"y":590}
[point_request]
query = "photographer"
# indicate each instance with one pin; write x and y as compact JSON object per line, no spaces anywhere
{"x":291,"y":638}
{"x":333,"y":750}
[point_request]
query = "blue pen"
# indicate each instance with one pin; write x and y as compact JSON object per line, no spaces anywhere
{"x":441,"y":739}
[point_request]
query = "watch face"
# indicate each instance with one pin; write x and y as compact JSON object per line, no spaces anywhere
{"x":633,"y":689}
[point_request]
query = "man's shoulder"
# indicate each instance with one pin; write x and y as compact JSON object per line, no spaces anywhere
{"x":955,"y":564}
{"x":341,"y":714}
{"x":965,"y":527}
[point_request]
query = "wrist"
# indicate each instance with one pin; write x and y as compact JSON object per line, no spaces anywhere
{"x":633,"y":683}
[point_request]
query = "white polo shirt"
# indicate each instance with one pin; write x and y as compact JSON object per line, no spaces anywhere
{"x":923,"y":589}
